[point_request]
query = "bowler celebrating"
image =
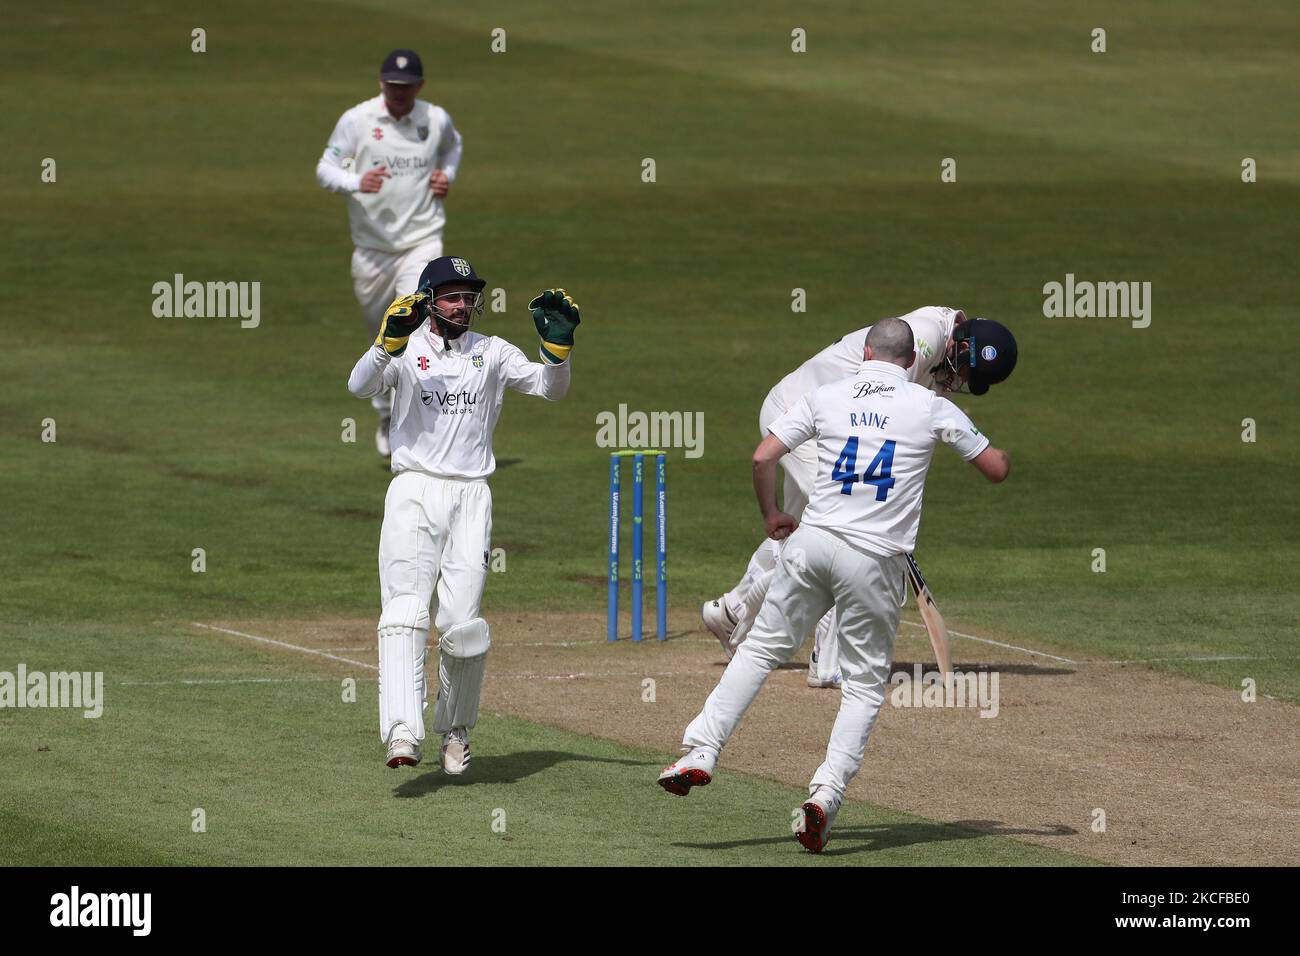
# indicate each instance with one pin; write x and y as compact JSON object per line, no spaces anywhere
{"x":450,"y":383}
{"x":394,"y":157}
{"x":875,"y":433}
{"x":952,"y":354}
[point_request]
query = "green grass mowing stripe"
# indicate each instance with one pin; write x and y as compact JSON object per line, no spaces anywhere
{"x":316,"y":792}
{"x":290,"y":774}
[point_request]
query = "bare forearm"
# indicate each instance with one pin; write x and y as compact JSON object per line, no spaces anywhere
{"x":993,"y":464}
{"x":776,"y":523}
{"x":765,"y":487}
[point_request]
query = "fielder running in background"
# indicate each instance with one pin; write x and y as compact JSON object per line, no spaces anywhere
{"x":874,"y":435}
{"x":450,"y":383}
{"x":945,"y":362}
{"x":394,"y":157}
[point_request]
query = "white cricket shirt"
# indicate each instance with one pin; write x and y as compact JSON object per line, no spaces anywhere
{"x":932,"y":327}
{"x":875,"y":432}
{"x":449,"y":398}
{"x":404,"y":213}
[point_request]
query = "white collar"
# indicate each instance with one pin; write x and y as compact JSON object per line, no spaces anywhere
{"x":383,"y":113}
{"x":457,"y":346}
{"x":877,"y":367}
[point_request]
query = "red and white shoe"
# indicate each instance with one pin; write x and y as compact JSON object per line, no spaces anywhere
{"x":403,"y":751}
{"x":694,"y":769}
{"x":813,"y":831}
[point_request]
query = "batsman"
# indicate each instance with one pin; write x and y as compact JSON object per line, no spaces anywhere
{"x":450,"y":382}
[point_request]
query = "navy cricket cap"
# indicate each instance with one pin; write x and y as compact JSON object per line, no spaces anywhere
{"x":992,"y":354}
{"x":402,"y":66}
{"x":449,"y":269}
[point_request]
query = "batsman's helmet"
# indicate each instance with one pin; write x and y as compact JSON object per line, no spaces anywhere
{"x":983,"y":354}
{"x":988,"y":349}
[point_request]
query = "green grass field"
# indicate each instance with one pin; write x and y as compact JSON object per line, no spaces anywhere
{"x":775,"y":171}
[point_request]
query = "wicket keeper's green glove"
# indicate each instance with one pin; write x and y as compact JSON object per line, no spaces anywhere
{"x":556,"y":316}
{"x":403,"y":317}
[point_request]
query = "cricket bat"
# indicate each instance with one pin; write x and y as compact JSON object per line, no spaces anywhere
{"x":934,"y":625}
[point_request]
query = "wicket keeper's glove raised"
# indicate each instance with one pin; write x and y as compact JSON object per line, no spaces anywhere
{"x":556,"y":316}
{"x":403,"y":317}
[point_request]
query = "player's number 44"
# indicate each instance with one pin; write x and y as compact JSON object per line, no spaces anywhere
{"x":879,"y":473}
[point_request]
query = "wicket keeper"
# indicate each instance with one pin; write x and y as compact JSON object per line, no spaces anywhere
{"x":436,"y":538}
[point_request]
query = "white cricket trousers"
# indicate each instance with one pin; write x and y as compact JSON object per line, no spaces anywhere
{"x":436,"y":537}
{"x":800,"y":467}
{"x":380,"y":277}
{"x":817,"y":569}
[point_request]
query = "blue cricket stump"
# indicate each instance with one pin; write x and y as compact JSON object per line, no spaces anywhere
{"x":638,"y":541}
{"x":661,"y":549}
{"x":614,"y":475}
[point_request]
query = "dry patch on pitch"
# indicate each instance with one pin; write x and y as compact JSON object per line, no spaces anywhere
{"x":1186,"y":773}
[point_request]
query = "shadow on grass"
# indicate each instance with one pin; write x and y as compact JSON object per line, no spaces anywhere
{"x":907,"y":667}
{"x":501,"y":768}
{"x":885,"y":836}
{"x":1038,"y":670}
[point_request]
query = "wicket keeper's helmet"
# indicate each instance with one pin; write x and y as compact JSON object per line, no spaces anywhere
{"x":989,"y":352}
{"x":451,"y":271}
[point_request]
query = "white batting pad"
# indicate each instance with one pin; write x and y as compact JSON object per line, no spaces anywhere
{"x":403,"y":639}
{"x":461,"y":665}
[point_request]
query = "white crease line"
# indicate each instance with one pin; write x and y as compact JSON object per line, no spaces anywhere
{"x":639,"y":675}
{"x":1010,"y":647}
{"x":699,"y":640}
{"x":1142,"y":660}
{"x":600,"y":643}
{"x":1163,"y":660}
{"x":203,"y":681}
{"x":969,"y":637}
{"x":285,"y":644}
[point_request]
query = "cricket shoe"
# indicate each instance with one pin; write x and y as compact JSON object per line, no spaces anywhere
{"x":815,"y":681}
{"x":402,"y":750}
{"x":721,"y":622}
{"x":695,"y":769}
{"x":382,"y":444}
{"x":813,"y":831}
{"x":455,"y":750}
